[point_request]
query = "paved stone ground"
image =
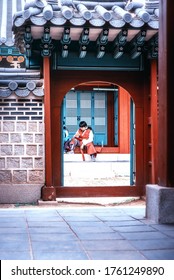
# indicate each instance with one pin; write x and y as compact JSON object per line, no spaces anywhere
{"x":83,"y":233}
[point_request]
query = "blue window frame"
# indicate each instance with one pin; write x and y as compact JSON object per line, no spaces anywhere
{"x":116,"y":118}
{"x":90,"y":106}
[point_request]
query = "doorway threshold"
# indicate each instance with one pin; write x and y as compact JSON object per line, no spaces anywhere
{"x":101,"y":201}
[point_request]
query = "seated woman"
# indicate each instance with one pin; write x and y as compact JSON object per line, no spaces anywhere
{"x":84,"y":138}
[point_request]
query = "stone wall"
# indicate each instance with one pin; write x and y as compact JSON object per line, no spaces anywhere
{"x":21,"y":141}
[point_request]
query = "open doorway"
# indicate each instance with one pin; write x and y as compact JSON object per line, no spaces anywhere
{"x":110,"y":111}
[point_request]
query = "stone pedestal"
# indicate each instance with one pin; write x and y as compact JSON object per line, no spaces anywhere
{"x":160,"y":204}
{"x":18,"y":193}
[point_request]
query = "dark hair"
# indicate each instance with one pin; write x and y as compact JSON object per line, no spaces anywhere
{"x":89,"y":127}
{"x":82,"y":124}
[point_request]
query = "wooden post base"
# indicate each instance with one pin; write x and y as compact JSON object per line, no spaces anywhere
{"x":48,"y":193}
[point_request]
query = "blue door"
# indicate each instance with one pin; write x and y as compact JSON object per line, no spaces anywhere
{"x":90,"y":106}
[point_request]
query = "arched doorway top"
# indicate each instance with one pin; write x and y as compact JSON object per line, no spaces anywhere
{"x":132,"y":82}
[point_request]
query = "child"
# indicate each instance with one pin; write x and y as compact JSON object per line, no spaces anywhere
{"x":66,"y":140}
{"x":84,"y":138}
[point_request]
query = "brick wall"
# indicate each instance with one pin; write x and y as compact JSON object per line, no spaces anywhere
{"x":21,"y":140}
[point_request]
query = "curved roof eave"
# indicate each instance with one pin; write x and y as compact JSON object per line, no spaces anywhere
{"x":38,"y":13}
{"x":116,"y":14}
{"x":80,"y":12}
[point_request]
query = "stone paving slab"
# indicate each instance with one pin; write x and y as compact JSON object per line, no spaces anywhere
{"x":116,"y":255}
{"x":159,"y":254}
{"x":83,"y":233}
{"x":143,"y":235}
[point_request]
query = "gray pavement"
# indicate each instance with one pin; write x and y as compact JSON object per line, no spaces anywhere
{"x":83,"y":233}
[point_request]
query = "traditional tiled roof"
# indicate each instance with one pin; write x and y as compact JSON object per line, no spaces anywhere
{"x":116,"y":14}
{"x":96,"y":13}
{"x":16,"y":16}
{"x":56,"y":14}
{"x":21,"y":83}
{"x":20,"y":91}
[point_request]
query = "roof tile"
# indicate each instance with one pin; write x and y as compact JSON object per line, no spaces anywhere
{"x":39,"y":12}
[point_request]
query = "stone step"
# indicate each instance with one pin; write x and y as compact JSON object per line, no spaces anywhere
{"x":100,"y":157}
{"x":98,"y":169}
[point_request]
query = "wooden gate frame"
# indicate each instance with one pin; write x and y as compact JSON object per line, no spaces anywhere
{"x":57,"y":84}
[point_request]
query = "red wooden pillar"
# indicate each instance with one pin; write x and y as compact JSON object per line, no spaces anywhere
{"x":124,"y":121}
{"x":154,"y":122}
{"x":139,"y":145}
{"x":110,"y":117}
{"x":166,"y":96}
{"x":48,"y":191}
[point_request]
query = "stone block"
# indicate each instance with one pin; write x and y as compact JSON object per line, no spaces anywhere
{"x":38,"y":163}
{"x":15,"y":138}
{"x":19,"y":176}
{"x":40,"y":150}
{"x":4,"y":137}
{"x":27,"y":162}
{"x":36,"y":176}
{"x":47,"y":202}
{"x":19,"y":150}
{"x":160,"y":204}
{"x":21,"y":126}
{"x":31,"y":150}
{"x":20,"y":193}
{"x":39,"y":138}
{"x":2,"y":163}
{"x":32,"y":126}
{"x":6,"y":150}
{"x":9,"y":126}
{"x":13,"y":162}
{"x":28,"y":138}
{"x":41,"y":127}
{"x":5,"y":177}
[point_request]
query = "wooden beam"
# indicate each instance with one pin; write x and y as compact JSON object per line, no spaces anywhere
{"x":124,"y":121}
{"x":110,"y":119}
{"x":154,"y":122}
{"x":48,"y":191}
{"x":106,"y":191}
{"x":139,"y":145}
{"x":166,"y":99}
